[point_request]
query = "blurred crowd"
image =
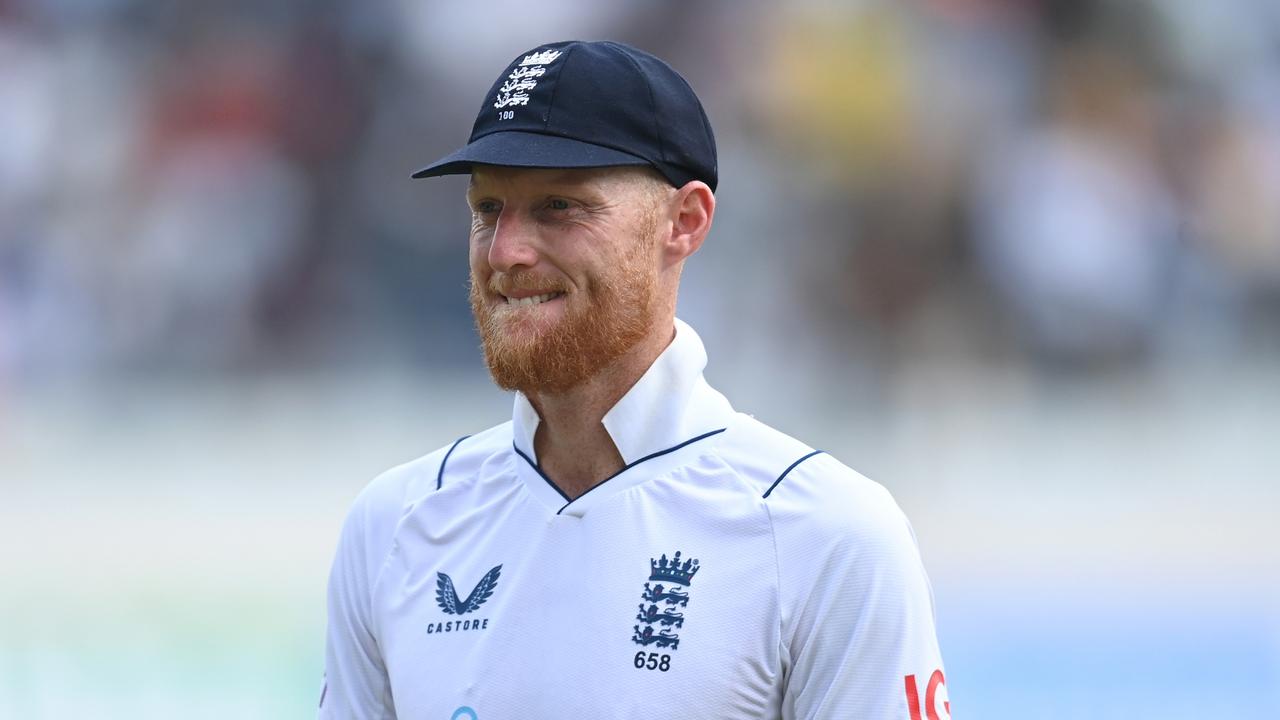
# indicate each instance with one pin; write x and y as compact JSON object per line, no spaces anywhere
{"x":222,"y":186}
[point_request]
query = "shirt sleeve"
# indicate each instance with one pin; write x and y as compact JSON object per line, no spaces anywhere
{"x":356,"y":685}
{"x":858,"y":631}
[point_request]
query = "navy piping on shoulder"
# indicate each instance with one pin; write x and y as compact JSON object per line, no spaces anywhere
{"x":789,"y":469}
{"x":445,"y":461}
{"x":537,"y":469}
{"x":624,"y":468}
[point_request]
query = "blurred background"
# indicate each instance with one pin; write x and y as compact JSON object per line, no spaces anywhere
{"x":1018,"y":260}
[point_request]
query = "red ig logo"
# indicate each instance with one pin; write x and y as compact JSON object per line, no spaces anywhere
{"x":936,"y":680}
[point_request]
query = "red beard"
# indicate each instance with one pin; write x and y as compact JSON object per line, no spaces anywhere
{"x":600,"y":324}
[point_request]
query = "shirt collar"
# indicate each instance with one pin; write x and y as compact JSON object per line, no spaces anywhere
{"x":668,"y":405}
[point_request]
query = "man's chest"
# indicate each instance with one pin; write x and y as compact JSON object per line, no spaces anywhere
{"x":631,"y":612}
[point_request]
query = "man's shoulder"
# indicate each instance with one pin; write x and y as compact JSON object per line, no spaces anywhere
{"x":797,"y":480}
{"x":761,"y":454}
{"x":399,"y":488}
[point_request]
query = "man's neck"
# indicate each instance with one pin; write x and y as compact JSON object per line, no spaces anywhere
{"x":573,"y":447}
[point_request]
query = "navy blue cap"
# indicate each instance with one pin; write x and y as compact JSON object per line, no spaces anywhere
{"x":589,"y":104}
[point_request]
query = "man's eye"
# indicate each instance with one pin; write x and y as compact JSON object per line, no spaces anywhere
{"x":558,"y":204}
{"x":485,"y":207}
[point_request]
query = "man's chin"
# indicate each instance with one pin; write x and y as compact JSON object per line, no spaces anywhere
{"x":532,"y":370}
{"x":541,"y":360}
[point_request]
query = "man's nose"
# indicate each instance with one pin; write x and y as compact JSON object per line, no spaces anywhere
{"x":514,"y":241}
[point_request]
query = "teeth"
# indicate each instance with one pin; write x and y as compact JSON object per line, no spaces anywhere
{"x":535,"y":300}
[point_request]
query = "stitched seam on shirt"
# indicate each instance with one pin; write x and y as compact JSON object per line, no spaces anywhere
{"x":783,"y":647}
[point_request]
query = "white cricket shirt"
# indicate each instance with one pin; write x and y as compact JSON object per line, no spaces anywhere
{"x":727,"y":571}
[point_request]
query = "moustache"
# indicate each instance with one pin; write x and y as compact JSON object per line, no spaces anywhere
{"x":524,"y":281}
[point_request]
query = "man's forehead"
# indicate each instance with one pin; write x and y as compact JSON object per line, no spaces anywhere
{"x":487,"y":175}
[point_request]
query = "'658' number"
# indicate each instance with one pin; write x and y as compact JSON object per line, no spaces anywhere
{"x":652,"y":661}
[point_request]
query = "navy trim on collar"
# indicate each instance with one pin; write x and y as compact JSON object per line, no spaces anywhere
{"x":538,"y":470}
{"x":627,"y":467}
{"x":621,"y":470}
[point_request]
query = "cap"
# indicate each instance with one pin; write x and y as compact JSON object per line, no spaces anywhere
{"x":581,"y":104}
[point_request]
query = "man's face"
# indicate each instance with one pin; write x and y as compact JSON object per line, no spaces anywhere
{"x":564,"y":268}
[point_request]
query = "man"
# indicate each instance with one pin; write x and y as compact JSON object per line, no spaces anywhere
{"x":627,"y":545}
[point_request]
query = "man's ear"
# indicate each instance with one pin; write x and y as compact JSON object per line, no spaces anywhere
{"x":692,"y":209}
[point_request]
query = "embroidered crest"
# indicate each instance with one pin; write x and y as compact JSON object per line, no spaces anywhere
{"x":542,"y":58}
{"x":660,"y":610}
{"x":447,"y":596}
{"x":523,"y":79}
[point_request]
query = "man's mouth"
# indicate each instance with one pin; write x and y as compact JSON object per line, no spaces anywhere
{"x":533,"y":299}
